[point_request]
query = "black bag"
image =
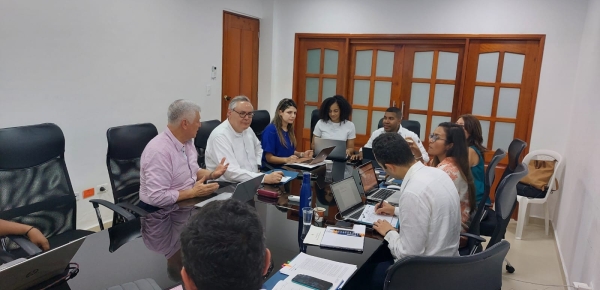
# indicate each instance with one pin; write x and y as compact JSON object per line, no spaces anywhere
{"x":530,"y":191}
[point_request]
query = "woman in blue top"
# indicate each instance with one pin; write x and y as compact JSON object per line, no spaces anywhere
{"x":279,"y":140}
{"x":473,"y":133}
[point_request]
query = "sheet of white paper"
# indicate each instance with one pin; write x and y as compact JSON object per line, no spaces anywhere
{"x":285,"y":179}
{"x":310,"y":265}
{"x":369,"y":215}
{"x":314,"y":236}
{"x":305,"y":165}
{"x":222,"y":196}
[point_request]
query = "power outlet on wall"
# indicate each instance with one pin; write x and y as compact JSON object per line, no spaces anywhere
{"x":78,"y":195}
{"x":102,"y":188}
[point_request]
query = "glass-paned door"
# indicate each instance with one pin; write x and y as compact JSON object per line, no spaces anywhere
{"x":373,"y":86}
{"x":430,"y":88}
{"x":498,"y":91}
{"x":320,"y":76}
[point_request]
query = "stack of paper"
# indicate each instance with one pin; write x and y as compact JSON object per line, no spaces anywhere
{"x":331,"y":239}
{"x":335,"y":272}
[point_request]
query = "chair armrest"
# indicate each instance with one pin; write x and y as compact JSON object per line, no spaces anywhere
{"x":30,"y":248}
{"x":121,"y":211}
{"x":472,"y":236}
{"x":133,"y":208}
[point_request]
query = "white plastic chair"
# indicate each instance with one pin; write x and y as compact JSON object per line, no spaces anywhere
{"x":524,"y":202}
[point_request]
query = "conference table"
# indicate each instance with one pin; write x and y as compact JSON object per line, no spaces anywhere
{"x":148,"y":247}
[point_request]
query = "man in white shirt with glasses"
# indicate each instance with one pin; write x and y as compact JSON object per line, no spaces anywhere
{"x":235,"y":140}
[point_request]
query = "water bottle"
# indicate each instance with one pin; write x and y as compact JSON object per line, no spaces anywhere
{"x":305,"y":192}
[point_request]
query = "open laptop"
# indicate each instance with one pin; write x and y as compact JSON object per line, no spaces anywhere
{"x":339,"y":153}
{"x":317,"y":161}
{"x":244,"y":191}
{"x":39,"y":268}
{"x":368,"y":185}
{"x":369,"y":156}
{"x":348,"y":200}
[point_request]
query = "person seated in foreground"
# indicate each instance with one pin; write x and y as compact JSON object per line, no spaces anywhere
{"x":169,"y":170}
{"x":223,"y":248}
{"x":235,"y":141}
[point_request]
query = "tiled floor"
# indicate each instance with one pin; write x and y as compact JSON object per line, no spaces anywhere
{"x":535,"y":259}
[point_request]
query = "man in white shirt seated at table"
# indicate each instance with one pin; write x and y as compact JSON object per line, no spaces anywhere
{"x":235,"y":141}
{"x":428,"y":208}
{"x":392,"y":123}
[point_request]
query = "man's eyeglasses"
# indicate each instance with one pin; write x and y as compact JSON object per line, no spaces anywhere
{"x":434,"y":137}
{"x":244,"y":115}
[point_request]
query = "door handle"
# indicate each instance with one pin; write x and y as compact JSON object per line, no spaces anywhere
{"x":227,"y":98}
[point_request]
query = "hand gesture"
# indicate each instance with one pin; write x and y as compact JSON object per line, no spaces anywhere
{"x":273,"y":178}
{"x":220,"y":170}
{"x":201,"y":189}
{"x":382,"y":227}
{"x":37,"y":238}
{"x":384,"y":209}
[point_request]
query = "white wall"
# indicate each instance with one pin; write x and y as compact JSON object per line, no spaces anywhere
{"x":90,"y":65}
{"x":578,"y":214}
{"x":562,"y":22}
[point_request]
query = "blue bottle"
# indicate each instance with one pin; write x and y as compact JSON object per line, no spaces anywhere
{"x":305,"y":192}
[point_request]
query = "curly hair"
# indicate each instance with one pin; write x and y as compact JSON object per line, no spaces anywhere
{"x":345,"y":108}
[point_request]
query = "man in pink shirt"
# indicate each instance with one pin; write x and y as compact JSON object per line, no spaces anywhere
{"x":169,"y":164}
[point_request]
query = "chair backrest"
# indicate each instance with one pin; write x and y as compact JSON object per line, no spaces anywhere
{"x":314,"y":118}
{"x":515,"y":149}
{"x":506,"y":200}
{"x":536,"y":154}
{"x":35,"y":188}
{"x":490,"y":174}
{"x":479,"y":271}
{"x":261,"y":119}
{"x":202,"y":138}
{"x":125,"y":147}
{"x":413,"y":126}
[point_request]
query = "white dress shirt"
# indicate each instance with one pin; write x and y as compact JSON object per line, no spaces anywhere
{"x":429,"y":215}
{"x":405,"y":133}
{"x":242,"y":150}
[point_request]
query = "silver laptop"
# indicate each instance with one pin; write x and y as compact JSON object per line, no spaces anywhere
{"x":317,"y":161}
{"x":339,"y":153}
{"x":244,"y":191}
{"x":348,"y":200}
{"x":39,"y":268}
{"x":367,"y":183}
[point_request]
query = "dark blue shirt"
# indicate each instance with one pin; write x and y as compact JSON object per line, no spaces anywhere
{"x":272,"y":144}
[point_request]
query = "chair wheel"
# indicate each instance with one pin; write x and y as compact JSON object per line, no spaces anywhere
{"x":510,"y":269}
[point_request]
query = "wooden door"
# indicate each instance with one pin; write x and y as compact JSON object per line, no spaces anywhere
{"x":240,"y":59}
{"x":374,"y":85}
{"x":320,"y":75}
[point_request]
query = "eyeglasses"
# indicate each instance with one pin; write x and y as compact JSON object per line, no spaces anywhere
{"x":244,"y":115}
{"x":434,"y":137}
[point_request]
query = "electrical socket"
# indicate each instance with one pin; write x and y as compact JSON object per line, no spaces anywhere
{"x":78,"y":196}
{"x":102,"y":188}
{"x":581,"y":286}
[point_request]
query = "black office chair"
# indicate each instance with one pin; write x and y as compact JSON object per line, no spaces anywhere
{"x":202,"y":138}
{"x":515,"y":149}
{"x":125,"y":147}
{"x":35,"y":186}
{"x":259,"y":122}
{"x":410,"y":125}
{"x":480,"y":271}
{"x":506,"y":201}
{"x":490,"y":173}
{"x":314,"y":118}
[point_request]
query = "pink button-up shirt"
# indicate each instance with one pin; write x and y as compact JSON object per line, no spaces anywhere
{"x":167,"y":166}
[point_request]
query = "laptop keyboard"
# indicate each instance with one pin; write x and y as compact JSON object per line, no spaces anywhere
{"x":382,"y":193}
{"x":356,"y":215}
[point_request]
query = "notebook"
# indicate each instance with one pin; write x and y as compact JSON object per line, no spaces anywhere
{"x":287,"y":175}
{"x":337,"y":238}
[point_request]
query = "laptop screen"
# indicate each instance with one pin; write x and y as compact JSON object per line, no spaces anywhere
{"x":367,"y":177}
{"x":346,"y":194}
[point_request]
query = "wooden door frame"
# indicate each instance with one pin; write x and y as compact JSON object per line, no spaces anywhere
{"x":254,"y":94}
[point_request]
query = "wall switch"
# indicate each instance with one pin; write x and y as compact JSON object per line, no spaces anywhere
{"x":102,"y":188}
{"x":77,"y":196}
{"x":208,"y":90}
{"x":213,"y":72}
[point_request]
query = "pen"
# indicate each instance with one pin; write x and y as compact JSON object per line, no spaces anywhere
{"x":339,"y":286}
